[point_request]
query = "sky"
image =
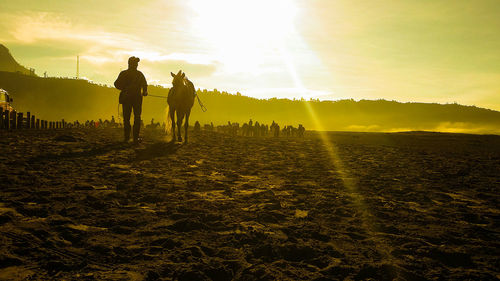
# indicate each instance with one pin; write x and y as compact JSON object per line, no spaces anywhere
{"x":442,"y":51}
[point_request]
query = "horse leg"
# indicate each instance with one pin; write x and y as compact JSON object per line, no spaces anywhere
{"x":171,"y":112}
{"x":180,"y":116}
{"x":186,"y":126}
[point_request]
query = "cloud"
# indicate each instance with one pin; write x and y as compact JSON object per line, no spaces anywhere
{"x":99,"y":49}
{"x":431,"y":51}
{"x":35,"y":27}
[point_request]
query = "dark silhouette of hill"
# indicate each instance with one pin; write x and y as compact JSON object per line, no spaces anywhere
{"x":8,"y":63}
{"x":57,"y":98}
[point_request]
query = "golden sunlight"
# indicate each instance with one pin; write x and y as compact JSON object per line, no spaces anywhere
{"x":249,"y":140}
{"x":241,"y":33}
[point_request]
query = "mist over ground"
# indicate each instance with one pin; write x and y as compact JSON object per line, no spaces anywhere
{"x":71,"y":99}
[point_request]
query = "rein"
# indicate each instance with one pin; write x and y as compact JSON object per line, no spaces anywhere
{"x":163,"y":97}
{"x":203,"y":108}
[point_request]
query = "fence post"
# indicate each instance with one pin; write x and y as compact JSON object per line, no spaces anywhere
{"x":20,"y":120}
{"x":37,"y":123}
{"x":63,"y":124}
{"x":6,"y":121}
{"x":14,"y":119}
{"x":32,"y":122}
{"x":28,"y":120}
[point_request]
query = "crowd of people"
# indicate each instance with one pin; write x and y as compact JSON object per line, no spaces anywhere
{"x":253,"y":129}
{"x":247,"y":129}
{"x":98,"y":123}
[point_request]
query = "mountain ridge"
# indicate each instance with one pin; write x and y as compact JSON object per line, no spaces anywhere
{"x":76,"y":99}
{"x":8,"y":63}
{"x":72,"y":99}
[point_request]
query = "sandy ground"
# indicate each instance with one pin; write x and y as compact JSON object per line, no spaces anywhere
{"x":80,"y":205}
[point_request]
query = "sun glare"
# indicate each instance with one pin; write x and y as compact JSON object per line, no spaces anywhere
{"x":241,"y":33}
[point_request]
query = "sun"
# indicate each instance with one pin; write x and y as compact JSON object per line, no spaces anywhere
{"x":240,"y":33}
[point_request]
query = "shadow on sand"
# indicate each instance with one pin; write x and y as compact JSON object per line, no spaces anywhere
{"x":157,"y":149}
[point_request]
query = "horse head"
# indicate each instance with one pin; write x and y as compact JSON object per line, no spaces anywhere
{"x":178,"y":78}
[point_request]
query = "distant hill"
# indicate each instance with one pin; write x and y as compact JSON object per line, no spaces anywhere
{"x":8,"y":63}
{"x":72,"y":99}
{"x":54,"y":98}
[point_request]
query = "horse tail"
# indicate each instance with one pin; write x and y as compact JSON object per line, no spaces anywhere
{"x":168,"y":122}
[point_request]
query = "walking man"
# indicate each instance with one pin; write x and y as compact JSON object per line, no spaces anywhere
{"x":131,"y":82}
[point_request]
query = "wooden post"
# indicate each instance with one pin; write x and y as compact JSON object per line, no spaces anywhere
{"x":28,"y":120}
{"x":1,"y":118}
{"x":14,"y":119}
{"x":63,"y":124}
{"x":6,"y":121}
{"x":32,"y":122}
{"x":37,"y":123}
{"x":20,"y":120}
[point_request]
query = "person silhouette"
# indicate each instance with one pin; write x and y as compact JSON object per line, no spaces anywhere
{"x":130,"y":82}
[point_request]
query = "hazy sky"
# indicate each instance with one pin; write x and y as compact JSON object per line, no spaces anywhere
{"x":408,"y":50}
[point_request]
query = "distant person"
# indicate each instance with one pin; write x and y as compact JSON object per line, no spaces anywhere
{"x":244,"y":129}
{"x":130,"y":82}
{"x":275,"y":129}
{"x":301,"y":130}
{"x":197,"y":126}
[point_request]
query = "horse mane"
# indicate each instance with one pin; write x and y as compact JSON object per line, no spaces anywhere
{"x":187,"y":82}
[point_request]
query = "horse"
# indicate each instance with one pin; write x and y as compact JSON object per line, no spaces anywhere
{"x":180,"y":101}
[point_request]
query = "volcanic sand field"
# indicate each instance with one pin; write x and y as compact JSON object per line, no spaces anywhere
{"x":78,"y":204}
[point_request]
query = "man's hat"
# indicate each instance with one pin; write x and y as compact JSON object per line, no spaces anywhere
{"x":133,"y":60}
